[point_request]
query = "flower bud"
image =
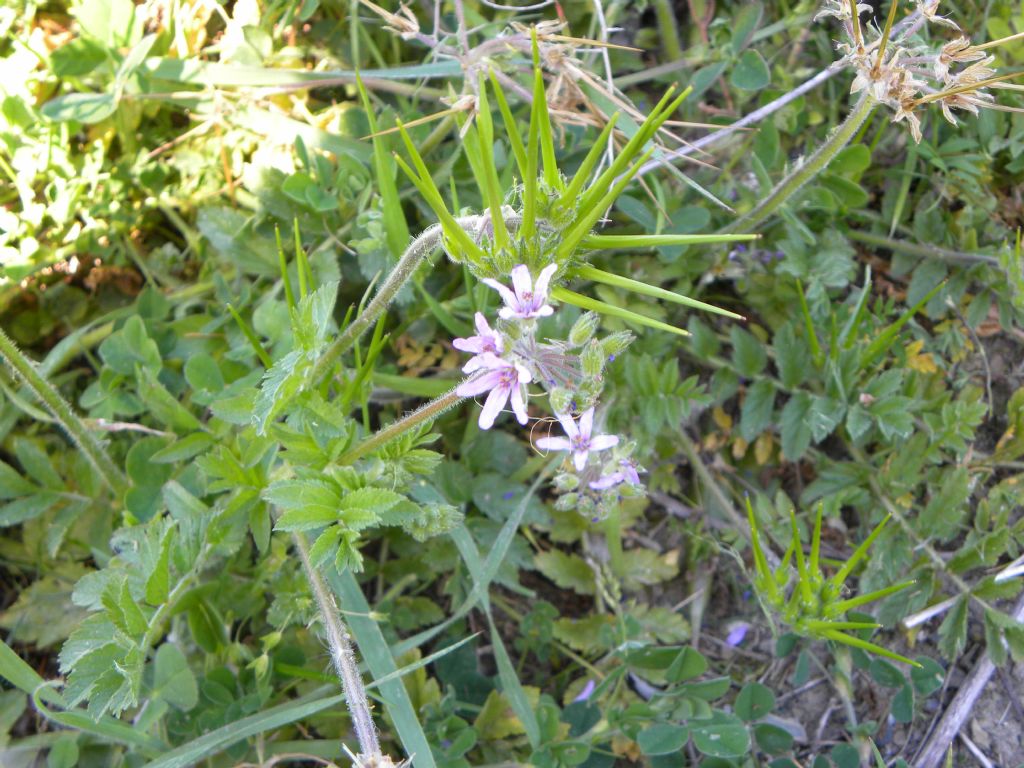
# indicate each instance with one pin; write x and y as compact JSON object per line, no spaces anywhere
{"x":561,"y":400}
{"x":567,"y":502}
{"x":616,"y":344}
{"x":584,"y":329}
{"x":566,"y":482}
{"x":592,"y":359}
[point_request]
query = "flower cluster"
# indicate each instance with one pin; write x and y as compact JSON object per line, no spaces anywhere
{"x":509,"y":357}
{"x":905,"y":75}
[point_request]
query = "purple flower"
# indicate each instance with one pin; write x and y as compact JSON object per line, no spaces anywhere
{"x":529,"y":299}
{"x":586,"y":693}
{"x":628,"y":474}
{"x":504,"y":381}
{"x":486,"y":340}
{"x":737,"y":634}
{"x":580,"y":440}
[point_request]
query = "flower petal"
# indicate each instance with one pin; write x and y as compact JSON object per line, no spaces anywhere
{"x":522,"y":282}
{"x":545,"y":310}
{"x":525,"y":377}
{"x":568,"y":425}
{"x":518,"y":404}
{"x":608,"y":481}
{"x":492,"y":406}
{"x":482,"y":328}
{"x":603,"y":442}
{"x":586,"y":423}
{"x":543,"y":279}
{"x":506,"y":295}
{"x":473,"y":344}
{"x":553,"y":444}
{"x":579,"y":458}
{"x":476,"y":386}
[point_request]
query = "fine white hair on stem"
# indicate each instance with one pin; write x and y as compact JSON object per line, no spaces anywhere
{"x":518,"y":8}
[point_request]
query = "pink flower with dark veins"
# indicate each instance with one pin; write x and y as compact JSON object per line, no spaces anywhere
{"x":529,"y":299}
{"x":580,"y":440}
{"x":486,"y":339}
{"x":505,"y":382}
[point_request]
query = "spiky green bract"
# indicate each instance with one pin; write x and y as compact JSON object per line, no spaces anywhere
{"x":540,"y":105}
{"x":589,"y":162}
{"x":609,"y":242}
{"x":511,"y":131}
{"x":618,"y":281}
{"x":806,"y":600}
{"x":478,"y":145}
{"x":662,"y":111}
{"x":585,"y":302}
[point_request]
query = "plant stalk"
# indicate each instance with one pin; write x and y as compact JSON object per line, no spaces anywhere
{"x":25,"y":369}
{"x":810,"y":168}
{"x":344,"y":658}
{"x":427,"y":412}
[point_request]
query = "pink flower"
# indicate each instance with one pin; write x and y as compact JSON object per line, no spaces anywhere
{"x":504,"y":381}
{"x":627,"y":474}
{"x":486,"y":340}
{"x":529,"y":299}
{"x":580,"y":441}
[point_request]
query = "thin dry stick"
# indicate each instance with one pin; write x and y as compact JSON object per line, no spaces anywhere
{"x":960,"y":708}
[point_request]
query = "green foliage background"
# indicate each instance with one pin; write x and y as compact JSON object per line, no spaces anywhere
{"x":159,"y":164}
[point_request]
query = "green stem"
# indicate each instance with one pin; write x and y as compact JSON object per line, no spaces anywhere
{"x":666,"y":17}
{"x":613,"y":539}
{"x":419,"y":249}
{"x":424,"y":413}
{"x":79,"y":433}
{"x":810,"y":168}
{"x":344,"y":658}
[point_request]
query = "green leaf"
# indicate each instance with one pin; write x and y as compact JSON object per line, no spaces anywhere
{"x":662,"y":739}
{"x":796,"y":432}
{"x":723,"y":736}
{"x":928,"y":677}
{"x":953,"y":630}
{"x":745,"y":23}
{"x":903,"y":704}
{"x":748,"y":354}
{"x":773,"y":739}
{"x":158,"y":583}
{"x":751,"y":72}
{"x":754,"y":702}
{"x":173,"y":681}
{"x":944,"y":514}
{"x":757,"y":410}
{"x":85,"y":108}
{"x":566,"y":570}
{"x":886,"y":674}
{"x":792,"y":357}
{"x":687,"y":665}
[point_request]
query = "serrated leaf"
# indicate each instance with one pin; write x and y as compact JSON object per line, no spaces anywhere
{"x":953,"y":630}
{"x":567,"y":571}
{"x":792,"y":357}
{"x":646,"y":568}
{"x":757,"y":410}
{"x":280,"y":383}
{"x":748,"y":354}
{"x":944,"y":513}
{"x":796,"y":432}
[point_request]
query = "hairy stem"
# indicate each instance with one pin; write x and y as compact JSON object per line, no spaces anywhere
{"x":421,"y":247}
{"x":425,"y":413}
{"x":344,"y":658}
{"x":76,"y":429}
{"x":810,"y":168}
